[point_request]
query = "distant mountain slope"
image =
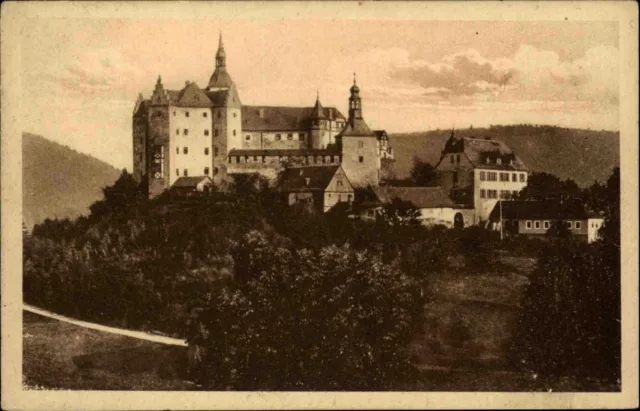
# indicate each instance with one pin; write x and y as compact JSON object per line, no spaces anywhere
{"x":58,"y":182}
{"x":582,"y":155}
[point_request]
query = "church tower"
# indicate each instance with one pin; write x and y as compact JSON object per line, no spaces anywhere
{"x":359,"y":145}
{"x":227,"y":114}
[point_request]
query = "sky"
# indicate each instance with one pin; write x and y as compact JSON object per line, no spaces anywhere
{"x":81,"y":77}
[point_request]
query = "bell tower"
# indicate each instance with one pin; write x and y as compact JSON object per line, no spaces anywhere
{"x":355,"y":102}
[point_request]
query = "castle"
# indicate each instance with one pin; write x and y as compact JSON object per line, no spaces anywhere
{"x":209,"y":132}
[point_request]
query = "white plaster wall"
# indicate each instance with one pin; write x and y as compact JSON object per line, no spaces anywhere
{"x":196,"y":160}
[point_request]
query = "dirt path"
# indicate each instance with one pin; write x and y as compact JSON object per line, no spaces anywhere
{"x":128,"y":333}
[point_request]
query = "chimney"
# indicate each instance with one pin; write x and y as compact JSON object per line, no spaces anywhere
{"x":330,"y":114}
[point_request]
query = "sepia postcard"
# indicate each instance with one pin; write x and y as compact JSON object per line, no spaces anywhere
{"x":319,"y":205}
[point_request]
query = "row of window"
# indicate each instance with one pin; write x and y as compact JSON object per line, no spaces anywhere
{"x":185,"y":132}
{"x":205,"y":115}
{"x":301,"y":137}
{"x":494,"y":193}
{"x":185,"y":150}
{"x":493,"y":176}
{"x":309,"y":159}
{"x":536,"y":225}
{"x":185,"y":172}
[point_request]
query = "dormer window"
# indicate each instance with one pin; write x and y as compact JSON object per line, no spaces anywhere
{"x":488,"y":160}
{"x":498,"y":160}
{"x":186,"y":114}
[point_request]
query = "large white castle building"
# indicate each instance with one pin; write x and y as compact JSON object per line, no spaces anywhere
{"x":195,"y":132}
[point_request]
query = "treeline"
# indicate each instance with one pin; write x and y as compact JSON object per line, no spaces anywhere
{"x":277,"y":297}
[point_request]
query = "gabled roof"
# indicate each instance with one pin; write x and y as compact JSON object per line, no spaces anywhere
{"x":189,"y":182}
{"x":192,"y":96}
{"x":540,"y":210}
{"x":270,"y":118}
{"x":421,"y":197}
{"x":479,"y":150}
{"x":357,"y":127}
{"x":315,"y":178}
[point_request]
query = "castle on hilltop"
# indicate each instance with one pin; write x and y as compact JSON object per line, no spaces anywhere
{"x":208,"y":132}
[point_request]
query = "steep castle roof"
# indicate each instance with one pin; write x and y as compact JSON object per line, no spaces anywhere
{"x":269,"y":118}
{"x":485,"y":153}
{"x":192,"y":96}
{"x":357,"y":127}
{"x":220,"y":78}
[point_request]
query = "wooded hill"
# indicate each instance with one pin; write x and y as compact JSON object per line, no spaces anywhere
{"x":581,"y":155}
{"x":59,"y":182}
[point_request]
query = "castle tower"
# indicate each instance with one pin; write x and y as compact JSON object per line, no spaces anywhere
{"x":158,"y":148}
{"x":359,"y":145}
{"x":319,"y":135}
{"x":227,"y":114}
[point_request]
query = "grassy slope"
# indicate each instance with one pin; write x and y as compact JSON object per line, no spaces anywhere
{"x":582,"y":155}
{"x":58,"y":182}
{"x":59,"y":355}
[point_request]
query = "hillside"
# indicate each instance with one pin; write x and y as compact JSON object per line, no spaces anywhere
{"x":582,"y":155}
{"x":58,"y":182}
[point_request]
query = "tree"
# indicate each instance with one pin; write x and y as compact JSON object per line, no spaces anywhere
{"x":558,"y":229}
{"x":570,"y":320}
{"x":423,"y":174}
{"x":400,"y":213}
{"x":304,"y":320}
{"x":122,"y":194}
{"x":545,"y":186}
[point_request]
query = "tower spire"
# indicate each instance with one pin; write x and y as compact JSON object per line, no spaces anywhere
{"x":221,"y":56}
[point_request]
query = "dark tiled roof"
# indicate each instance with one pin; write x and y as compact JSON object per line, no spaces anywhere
{"x":479,"y":150}
{"x":540,"y":210}
{"x":189,"y":182}
{"x":192,"y":96}
{"x":281,"y":118}
{"x":220,"y":78}
{"x":224,"y":98}
{"x":285,"y":152}
{"x":357,"y":128}
{"x":421,"y":197}
{"x":295,"y":178}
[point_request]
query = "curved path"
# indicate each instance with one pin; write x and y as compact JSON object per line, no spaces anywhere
{"x":129,"y":333}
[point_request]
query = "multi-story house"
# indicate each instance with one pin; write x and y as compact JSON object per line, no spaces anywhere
{"x":479,"y":172}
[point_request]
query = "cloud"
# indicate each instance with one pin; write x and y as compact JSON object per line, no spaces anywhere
{"x":530,"y":74}
{"x":95,"y":71}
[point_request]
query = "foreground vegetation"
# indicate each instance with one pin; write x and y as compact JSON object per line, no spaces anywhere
{"x":279,"y":298}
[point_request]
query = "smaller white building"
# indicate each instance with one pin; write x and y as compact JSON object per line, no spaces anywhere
{"x":436,"y":208}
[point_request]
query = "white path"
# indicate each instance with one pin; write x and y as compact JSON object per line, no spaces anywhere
{"x":129,"y":333}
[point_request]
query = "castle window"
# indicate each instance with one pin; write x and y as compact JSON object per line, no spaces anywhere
{"x":174,"y":113}
{"x":206,"y":151}
{"x":301,"y":136}
{"x":360,"y":144}
{"x":206,"y":132}
{"x":278,"y":137}
{"x":569,"y":225}
{"x":177,"y":131}
{"x":186,"y":114}
{"x":185,"y":172}
{"x":577,"y":225}
{"x":483,"y":176}
{"x":177,"y":150}
{"x":361,"y":159}
{"x":536,"y":224}
{"x":451,"y":158}
{"x":204,"y":114}
{"x":547,"y":224}
{"x":289,"y":136}
{"x":234,"y":132}
{"x":206,"y":171}
{"x":255,"y":159}
{"x":483,"y":194}
{"x":498,"y":160}
{"x":235,"y":115}
{"x":185,"y":150}
{"x":186,"y":132}
{"x":514,"y":177}
{"x":522,"y":179}
{"x":504,"y":176}
{"x":247,"y":137}
{"x":339,"y":182}
{"x":177,"y":172}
